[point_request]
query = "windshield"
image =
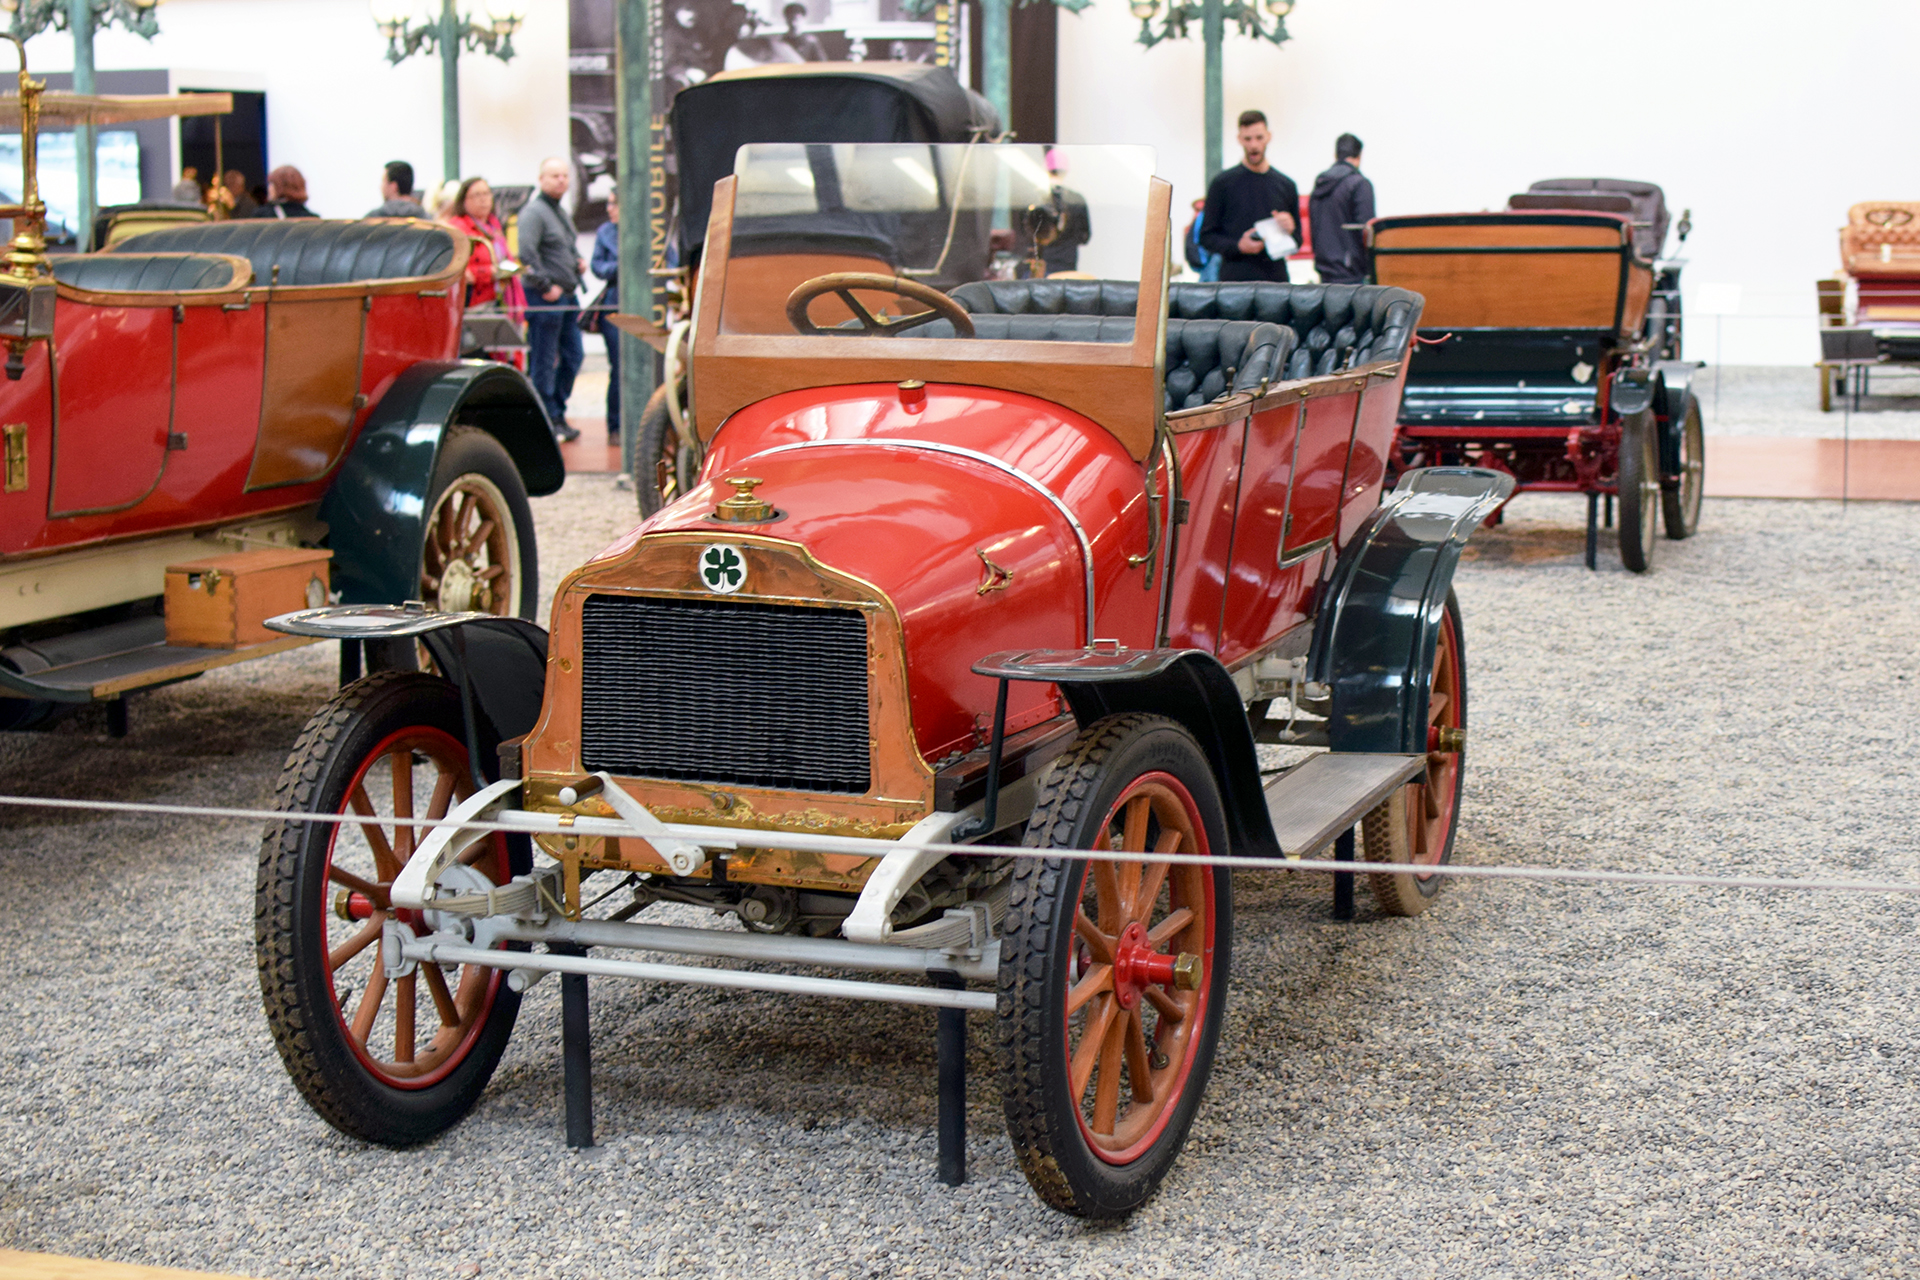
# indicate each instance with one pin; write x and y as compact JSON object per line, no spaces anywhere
{"x":954,"y":218}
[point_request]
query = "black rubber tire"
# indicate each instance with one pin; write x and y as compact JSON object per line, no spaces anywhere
{"x":21,"y":714}
{"x":1043,"y":1119}
{"x":1639,"y":485}
{"x":1680,"y":503}
{"x":1384,"y":833}
{"x":290,"y":902}
{"x":658,"y":449}
{"x":469,"y":450}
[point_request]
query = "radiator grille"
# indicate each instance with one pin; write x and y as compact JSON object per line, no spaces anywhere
{"x":723,"y":691}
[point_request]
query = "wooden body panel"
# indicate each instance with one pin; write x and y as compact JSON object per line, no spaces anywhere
{"x":1596,"y":283}
{"x":757,"y":290}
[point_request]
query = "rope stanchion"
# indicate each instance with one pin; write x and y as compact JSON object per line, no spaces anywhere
{"x":776,"y":840}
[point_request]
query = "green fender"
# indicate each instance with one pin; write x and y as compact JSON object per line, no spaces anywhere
{"x":376,"y":508}
{"x":1379,"y":618}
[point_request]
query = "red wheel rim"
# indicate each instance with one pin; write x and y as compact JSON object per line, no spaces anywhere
{"x":1132,"y":1032}
{"x":362,"y":861}
{"x":1430,"y":805}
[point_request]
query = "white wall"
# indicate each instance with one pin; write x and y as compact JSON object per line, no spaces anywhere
{"x":335,"y":108}
{"x":1768,"y":120}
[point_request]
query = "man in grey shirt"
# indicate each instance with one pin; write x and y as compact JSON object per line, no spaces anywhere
{"x":396,"y":186}
{"x":552,"y":280}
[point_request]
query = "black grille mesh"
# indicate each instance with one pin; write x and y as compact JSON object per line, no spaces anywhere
{"x":724,"y":691}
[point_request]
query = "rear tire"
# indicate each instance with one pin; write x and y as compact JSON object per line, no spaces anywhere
{"x":378,"y":1059}
{"x":1417,"y":824}
{"x":663,"y":465}
{"x":1639,"y":485}
{"x":479,"y":551}
{"x":1680,"y":505}
{"x":1104,"y":1068}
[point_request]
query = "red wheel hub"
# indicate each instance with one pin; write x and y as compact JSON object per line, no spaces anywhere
{"x":1137,"y":966}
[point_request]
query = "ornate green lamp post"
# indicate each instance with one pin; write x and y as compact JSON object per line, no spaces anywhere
{"x":83,"y":18}
{"x":449,"y":32}
{"x":1213,"y":17}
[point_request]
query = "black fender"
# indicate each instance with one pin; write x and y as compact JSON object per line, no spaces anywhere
{"x":1187,"y":686}
{"x":1379,"y":616}
{"x":1673,"y":386}
{"x":498,"y":664}
{"x":375,"y":509}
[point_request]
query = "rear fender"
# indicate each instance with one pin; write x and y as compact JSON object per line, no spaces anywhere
{"x":1187,"y":686}
{"x":1673,"y":384}
{"x":1379,"y":620}
{"x":376,"y":507}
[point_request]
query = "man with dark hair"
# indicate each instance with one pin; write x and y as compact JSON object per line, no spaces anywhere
{"x":1240,"y":198}
{"x":805,"y":46}
{"x":396,"y":190}
{"x":1342,"y":198}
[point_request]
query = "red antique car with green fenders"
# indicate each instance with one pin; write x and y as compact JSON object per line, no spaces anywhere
{"x":223,"y":391}
{"x":976,"y":574}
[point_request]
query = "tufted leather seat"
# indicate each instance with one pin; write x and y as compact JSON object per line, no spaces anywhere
{"x":1220,"y":337}
{"x":310,"y":251}
{"x":147,"y":272}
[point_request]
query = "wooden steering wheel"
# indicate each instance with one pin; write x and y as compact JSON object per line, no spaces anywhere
{"x":844,"y":283}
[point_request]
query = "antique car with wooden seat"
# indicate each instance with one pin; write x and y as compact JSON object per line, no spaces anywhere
{"x":218,"y":421}
{"x":1870,"y":312}
{"x":1546,"y":352}
{"x":972,"y":580}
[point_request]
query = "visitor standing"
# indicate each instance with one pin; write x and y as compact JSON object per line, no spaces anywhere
{"x":552,"y":270}
{"x":1342,"y":197}
{"x":1240,"y":198}
{"x":1205,"y":265}
{"x":239,"y":201}
{"x":606,"y":265}
{"x":396,"y":193}
{"x":493,"y":277}
{"x":187,"y":190}
{"x":286,"y":195}
{"x":1073,"y":223}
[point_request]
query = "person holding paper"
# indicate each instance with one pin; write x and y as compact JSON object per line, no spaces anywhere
{"x":1240,"y":200}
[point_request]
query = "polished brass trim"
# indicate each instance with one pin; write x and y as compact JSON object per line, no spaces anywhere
{"x":743,"y":507}
{"x":16,"y":437}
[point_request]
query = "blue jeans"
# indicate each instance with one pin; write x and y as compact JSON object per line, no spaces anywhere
{"x":554,"y":351}
{"x":612,"y":336}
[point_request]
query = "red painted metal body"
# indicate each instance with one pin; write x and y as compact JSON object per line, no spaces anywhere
{"x":101,"y":403}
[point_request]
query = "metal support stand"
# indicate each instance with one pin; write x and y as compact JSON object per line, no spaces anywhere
{"x":117,"y":717}
{"x":1343,"y":880}
{"x":950,"y":1049}
{"x":350,"y":662}
{"x":1593,"y":531}
{"x":1608,"y":518}
{"x":576,"y":1048}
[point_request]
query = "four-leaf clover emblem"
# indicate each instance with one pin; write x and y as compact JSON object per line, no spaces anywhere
{"x":722,"y":569}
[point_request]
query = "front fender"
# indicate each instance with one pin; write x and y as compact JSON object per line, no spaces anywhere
{"x":1673,"y":386}
{"x":1374,"y":636}
{"x":376,"y":507}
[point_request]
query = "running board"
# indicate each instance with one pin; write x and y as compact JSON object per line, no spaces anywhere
{"x":1322,"y":797}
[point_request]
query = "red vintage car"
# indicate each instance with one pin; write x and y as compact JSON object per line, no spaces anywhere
{"x":970,"y":565}
{"x":226,"y":390}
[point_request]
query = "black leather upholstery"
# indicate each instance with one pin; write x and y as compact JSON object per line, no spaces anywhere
{"x":145,"y":273}
{"x":310,"y":251}
{"x":1219,"y":336}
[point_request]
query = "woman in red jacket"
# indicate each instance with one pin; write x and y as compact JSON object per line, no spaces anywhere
{"x":493,"y":277}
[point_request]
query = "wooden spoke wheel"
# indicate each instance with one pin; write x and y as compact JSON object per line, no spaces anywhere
{"x":389,"y":1060}
{"x":1113,"y":976}
{"x":663,"y":467}
{"x":1680,"y":497}
{"x":1418,"y":822}
{"x":478,"y":554}
{"x":1639,"y":485}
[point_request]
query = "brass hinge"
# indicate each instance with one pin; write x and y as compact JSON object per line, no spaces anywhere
{"x":1286,"y":528}
{"x":16,"y":478}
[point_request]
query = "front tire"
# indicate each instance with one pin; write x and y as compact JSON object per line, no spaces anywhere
{"x":362,"y":1050}
{"x":1639,"y":485}
{"x":663,"y":465}
{"x":1680,"y":505}
{"x":1113,"y":976}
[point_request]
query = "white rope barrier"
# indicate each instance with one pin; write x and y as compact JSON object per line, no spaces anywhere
{"x":775,"y":840}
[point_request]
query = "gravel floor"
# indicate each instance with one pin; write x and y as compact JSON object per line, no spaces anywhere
{"x":1528,"y":1080}
{"x":1784,"y":400}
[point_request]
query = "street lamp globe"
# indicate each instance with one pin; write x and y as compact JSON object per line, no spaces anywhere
{"x":1141,"y":9}
{"x":1279,"y":8}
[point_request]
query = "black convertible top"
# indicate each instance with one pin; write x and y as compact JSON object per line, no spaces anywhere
{"x":811,"y":102}
{"x":1643,"y":201}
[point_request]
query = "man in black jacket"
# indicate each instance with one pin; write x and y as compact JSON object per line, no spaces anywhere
{"x":1250,"y":192}
{"x":1342,"y":197}
{"x":552,"y":281}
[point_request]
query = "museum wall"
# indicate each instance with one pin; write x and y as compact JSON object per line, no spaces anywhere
{"x":1767,"y":128}
{"x":335,"y":107}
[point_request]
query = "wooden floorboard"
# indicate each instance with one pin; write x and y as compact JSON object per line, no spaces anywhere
{"x":50,"y":1266}
{"x":1806,"y":467}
